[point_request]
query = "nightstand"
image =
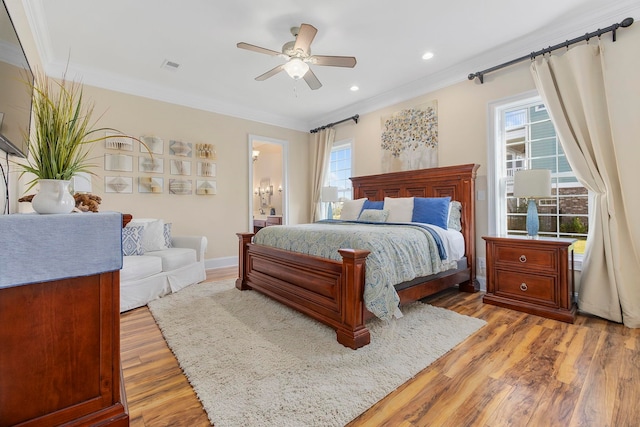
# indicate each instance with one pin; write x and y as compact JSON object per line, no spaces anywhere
{"x":531,"y":275}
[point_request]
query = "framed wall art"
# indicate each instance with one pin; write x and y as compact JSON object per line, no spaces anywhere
{"x":150,"y":164}
{"x":410,"y":139}
{"x":118,"y":184}
{"x":154,"y":144}
{"x":206,"y":187}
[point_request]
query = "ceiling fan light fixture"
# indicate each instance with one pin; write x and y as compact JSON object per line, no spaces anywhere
{"x":296,"y":68}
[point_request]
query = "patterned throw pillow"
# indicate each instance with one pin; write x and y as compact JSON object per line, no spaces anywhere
{"x":455,"y":213}
{"x":132,"y":240}
{"x":167,"y":235}
{"x":374,"y":215}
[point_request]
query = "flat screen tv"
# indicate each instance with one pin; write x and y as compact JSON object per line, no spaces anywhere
{"x":16,"y":79}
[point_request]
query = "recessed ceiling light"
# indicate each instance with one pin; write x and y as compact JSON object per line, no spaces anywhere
{"x":354,"y":88}
{"x":427,"y":55}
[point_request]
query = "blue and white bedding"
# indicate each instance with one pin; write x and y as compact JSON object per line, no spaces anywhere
{"x":399,"y":252}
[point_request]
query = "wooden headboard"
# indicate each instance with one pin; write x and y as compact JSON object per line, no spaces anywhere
{"x":458,"y":182}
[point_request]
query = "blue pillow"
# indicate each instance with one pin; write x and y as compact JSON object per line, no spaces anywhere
{"x":431,"y":210}
{"x":368,"y":204}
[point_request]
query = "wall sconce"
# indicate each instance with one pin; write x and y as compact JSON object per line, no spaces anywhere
{"x":280,"y":189}
{"x":255,"y":155}
{"x":260,"y":191}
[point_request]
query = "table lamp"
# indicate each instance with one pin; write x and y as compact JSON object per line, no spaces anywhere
{"x":532,"y":184}
{"x":330,"y":195}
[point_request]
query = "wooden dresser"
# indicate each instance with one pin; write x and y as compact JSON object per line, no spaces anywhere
{"x":532,"y":275}
{"x":60,"y":336}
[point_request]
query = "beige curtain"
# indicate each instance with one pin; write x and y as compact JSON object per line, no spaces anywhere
{"x":321,"y":153}
{"x":583,"y":97}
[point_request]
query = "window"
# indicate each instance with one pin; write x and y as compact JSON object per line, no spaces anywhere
{"x":340,"y":172}
{"x":525,"y":138}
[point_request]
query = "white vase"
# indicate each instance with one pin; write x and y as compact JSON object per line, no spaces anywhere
{"x":53,"y":197}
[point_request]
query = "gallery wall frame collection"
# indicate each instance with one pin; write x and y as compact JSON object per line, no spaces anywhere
{"x":182,"y":161}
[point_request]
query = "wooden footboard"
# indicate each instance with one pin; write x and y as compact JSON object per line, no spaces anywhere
{"x":326,"y":290}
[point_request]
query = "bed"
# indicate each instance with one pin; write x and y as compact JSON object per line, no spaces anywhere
{"x":331,"y":291}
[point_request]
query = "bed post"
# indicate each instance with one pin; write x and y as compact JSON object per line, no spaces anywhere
{"x":352,"y":332}
{"x":243,"y":267}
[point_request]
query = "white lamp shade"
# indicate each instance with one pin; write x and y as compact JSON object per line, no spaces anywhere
{"x":82,"y":182}
{"x":296,"y":68}
{"x":330,"y":194}
{"x":532,"y":183}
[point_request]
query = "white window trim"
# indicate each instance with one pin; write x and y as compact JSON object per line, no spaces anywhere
{"x":495,"y":165}
{"x":497,"y":216}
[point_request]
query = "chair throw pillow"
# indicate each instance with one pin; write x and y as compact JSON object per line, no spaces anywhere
{"x":167,"y":235}
{"x":153,"y":239}
{"x":132,"y":240}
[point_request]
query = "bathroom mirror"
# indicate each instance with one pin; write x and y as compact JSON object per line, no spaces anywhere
{"x":268,"y":159}
{"x":265,"y":191}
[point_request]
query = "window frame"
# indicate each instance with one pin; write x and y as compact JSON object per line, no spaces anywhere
{"x":496,"y":153}
{"x":341,"y":145}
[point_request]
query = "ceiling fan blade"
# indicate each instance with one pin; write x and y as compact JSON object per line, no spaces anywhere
{"x":272,"y":72}
{"x":258,"y":49}
{"x":305,"y":36}
{"x":333,"y":61}
{"x":312,"y":80}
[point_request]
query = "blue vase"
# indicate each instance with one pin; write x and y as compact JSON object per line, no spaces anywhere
{"x":533,"y":223}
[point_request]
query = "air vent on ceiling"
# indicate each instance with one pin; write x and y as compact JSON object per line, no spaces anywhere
{"x":170,"y":65}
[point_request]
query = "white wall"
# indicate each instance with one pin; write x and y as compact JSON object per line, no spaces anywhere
{"x":219,"y":216}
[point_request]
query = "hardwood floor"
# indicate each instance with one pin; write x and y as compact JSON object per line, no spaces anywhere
{"x":519,"y":370}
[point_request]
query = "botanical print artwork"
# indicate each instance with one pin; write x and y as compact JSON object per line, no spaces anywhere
{"x":410,"y":139}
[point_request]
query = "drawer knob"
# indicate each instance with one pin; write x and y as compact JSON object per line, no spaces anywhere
{"x":523,"y":258}
{"x":523,"y":287}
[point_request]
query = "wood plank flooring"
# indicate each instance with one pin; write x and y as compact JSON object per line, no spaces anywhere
{"x":519,"y":370}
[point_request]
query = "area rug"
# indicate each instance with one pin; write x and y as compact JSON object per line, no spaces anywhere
{"x":254,"y":362}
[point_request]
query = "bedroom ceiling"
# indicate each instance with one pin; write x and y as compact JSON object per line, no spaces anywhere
{"x":122,"y":44}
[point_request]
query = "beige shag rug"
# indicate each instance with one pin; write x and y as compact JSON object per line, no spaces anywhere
{"x":255,"y":362}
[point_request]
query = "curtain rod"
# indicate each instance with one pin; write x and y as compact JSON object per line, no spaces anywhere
{"x":354,"y":118}
{"x":612,"y":28}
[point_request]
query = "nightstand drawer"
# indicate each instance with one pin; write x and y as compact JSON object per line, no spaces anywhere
{"x":525,"y":286}
{"x":521,"y":257}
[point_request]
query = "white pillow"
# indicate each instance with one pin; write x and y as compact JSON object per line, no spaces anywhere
{"x":400,"y":208}
{"x":351,"y":209}
{"x":153,"y":236}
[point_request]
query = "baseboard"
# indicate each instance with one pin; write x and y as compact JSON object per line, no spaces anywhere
{"x":215,"y":263}
{"x":483,"y":283}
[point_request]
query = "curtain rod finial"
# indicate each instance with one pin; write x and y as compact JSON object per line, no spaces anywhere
{"x":626,"y":22}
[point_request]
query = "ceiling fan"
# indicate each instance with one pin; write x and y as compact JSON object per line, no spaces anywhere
{"x":298,"y":56}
